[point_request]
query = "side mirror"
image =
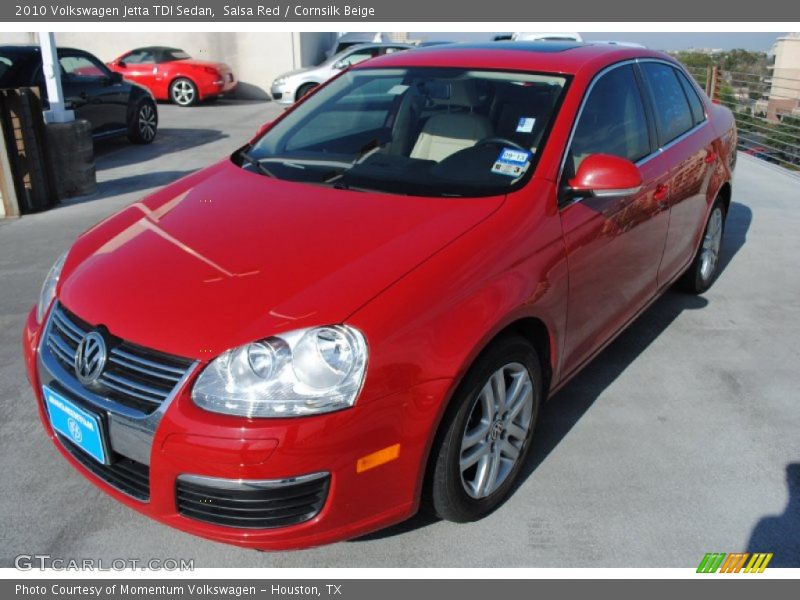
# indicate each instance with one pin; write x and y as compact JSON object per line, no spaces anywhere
{"x":605,"y":176}
{"x":122,"y":64}
{"x":340,"y":64}
{"x":114,"y":78}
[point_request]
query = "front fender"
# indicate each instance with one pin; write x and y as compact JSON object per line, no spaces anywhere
{"x":434,"y":322}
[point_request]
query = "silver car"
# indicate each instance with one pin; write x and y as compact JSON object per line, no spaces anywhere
{"x":292,"y":86}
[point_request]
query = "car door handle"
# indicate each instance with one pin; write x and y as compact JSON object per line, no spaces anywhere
{"x":711,"y":156}
{"x":660,"y":195}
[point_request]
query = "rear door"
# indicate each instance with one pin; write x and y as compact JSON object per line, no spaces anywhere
{"x":686,"y":142}
{"x":614,"y":245}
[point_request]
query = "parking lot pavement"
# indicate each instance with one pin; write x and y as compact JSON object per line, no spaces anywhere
{"x":680,"y":439}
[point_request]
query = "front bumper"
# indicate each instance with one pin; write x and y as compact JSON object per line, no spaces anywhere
{"x":187,"y":441}
{"x":282,"y":93}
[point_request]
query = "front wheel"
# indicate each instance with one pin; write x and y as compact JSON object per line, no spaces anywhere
{"x":705,"y":267}
{"x":144,"y":124}
{"x":183,"y":92}
{"x":303,"y":90}
{"x":486,"y":433}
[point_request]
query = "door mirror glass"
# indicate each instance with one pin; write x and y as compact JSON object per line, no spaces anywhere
{"x":605,"y":175}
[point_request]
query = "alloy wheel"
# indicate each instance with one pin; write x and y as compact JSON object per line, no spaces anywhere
{"x":496,"y":430}
{"x":709,"y":255}
{"x":147,"y":122}
{"x":183,"y":92}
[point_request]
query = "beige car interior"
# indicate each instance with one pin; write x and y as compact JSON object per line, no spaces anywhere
{"x":458,"y":128}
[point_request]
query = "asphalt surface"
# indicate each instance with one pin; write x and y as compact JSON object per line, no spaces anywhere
{"x":680,"y":439}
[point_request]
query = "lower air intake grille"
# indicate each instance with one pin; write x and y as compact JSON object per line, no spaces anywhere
{"x":252,"y":505}
{"x":124,"y":474}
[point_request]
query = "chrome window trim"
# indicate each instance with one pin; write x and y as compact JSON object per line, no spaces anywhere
{"x":250,"y":484}
{"x":130,"y":432}
{"x":657,"y":152}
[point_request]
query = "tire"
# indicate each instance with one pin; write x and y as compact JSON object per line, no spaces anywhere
{"x":144,"y":123}
{"x":183,"y":92}
{"x":303,"y":90}
{"x":459,"y":487}
{"x":704,"y":270}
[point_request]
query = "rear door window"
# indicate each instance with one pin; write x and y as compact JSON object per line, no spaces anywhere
{"x":672,"y":112}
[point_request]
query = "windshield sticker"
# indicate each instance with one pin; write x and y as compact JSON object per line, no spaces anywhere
{"x":397,"y":90}
{"x":526,"y":124}
{"x":512,"y":162}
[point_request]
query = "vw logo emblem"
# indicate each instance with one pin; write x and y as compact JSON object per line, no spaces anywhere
{"x":75,"y":430}
{"x":90,"y":358}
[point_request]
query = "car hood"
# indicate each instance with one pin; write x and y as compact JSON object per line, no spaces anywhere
{"x":226,"y":256}
{"x":296,"y":72}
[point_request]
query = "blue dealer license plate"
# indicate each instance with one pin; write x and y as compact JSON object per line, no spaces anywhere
{"x":78,"y":425}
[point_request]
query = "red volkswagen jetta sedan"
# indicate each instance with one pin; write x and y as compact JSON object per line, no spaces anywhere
{"x":363,"y":309}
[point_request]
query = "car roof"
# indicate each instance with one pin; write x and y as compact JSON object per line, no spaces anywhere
{"x":155,"y":49}
{"x":566,"y":57}
{"x":35,"y":48}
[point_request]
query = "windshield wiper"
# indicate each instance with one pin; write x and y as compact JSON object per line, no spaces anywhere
{"x":256,"y":163}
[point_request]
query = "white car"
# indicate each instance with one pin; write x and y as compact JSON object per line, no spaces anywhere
{"x":292,"y":86}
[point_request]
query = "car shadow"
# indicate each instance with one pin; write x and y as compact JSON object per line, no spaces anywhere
{"x":119,"y":152}
{"x":124,"y":185}
{"x":565,"y":408}
{"x":780,"y":534}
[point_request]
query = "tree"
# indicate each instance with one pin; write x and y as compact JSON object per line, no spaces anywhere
{"x":785,"y":138}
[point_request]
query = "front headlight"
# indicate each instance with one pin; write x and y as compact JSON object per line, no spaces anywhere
{"x":48,"y":291}
{"x":279,"y":81}
{"x":303,"y":372}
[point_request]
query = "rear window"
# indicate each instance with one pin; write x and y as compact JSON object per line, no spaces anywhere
{"x":174,"y":55}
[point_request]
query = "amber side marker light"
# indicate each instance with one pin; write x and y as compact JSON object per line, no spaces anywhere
{"x":376,"y":459}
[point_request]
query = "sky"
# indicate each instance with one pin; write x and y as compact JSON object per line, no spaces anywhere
{"x":656,"y":41}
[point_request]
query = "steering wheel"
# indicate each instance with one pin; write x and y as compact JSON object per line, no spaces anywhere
{"x":501,"y":141}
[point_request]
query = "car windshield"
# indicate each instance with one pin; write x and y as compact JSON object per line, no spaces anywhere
{"x":417,"y":131}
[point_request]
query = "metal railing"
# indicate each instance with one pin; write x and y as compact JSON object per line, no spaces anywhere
{"x":766,"y":108}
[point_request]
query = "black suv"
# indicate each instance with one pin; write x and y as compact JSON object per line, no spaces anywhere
{"x":112,"y":106}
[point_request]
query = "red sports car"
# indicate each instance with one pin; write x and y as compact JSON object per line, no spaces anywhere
{"x":363,"y":309}
{"x":171,"y":74}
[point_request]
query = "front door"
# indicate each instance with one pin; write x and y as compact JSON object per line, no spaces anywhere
{"x":614,"y":245}
{"x":92,"y":93}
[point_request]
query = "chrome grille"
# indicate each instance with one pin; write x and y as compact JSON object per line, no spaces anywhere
{"x":134,"y":376}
